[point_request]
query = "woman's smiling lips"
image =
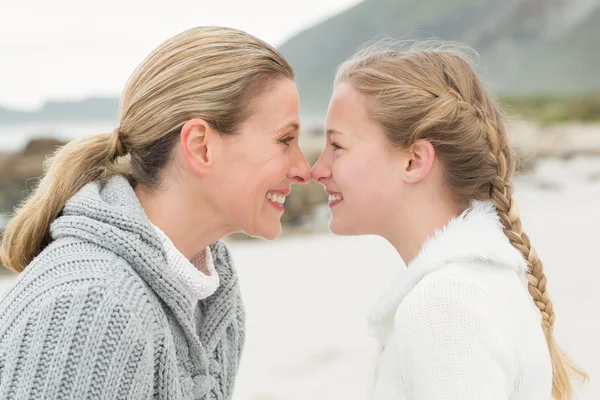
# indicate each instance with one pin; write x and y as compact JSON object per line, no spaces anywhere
{"x":276,"y":198}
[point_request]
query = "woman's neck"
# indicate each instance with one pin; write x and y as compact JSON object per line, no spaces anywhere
{"x":186,"y":218}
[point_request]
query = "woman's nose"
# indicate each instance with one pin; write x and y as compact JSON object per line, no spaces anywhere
{"x":300,"y":171}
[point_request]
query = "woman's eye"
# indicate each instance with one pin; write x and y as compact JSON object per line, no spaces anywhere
{"x":286,"y":140}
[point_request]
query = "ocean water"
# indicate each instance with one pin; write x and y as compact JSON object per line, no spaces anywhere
{"x":15,"y":137}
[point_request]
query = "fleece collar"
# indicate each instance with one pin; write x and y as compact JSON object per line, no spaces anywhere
{"x":476,"y":235}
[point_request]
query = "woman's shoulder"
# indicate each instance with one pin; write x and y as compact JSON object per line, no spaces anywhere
{"x":63,"y":317}
{"x":68,"y":270}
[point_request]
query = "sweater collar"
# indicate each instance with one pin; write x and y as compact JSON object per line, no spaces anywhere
{"x":476,"y":235}
{"x":110,"y":215}
{"x":197,"y":276}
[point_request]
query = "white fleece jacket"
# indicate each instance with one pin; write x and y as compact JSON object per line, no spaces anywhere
{"x":459,"y":323}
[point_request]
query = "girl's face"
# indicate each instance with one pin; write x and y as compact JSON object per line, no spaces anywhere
{"x":360,"y":169}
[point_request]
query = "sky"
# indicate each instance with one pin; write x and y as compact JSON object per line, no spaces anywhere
{"x":72,"y":49}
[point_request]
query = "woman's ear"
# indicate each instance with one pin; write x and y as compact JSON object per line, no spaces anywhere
{"x":198,"y":143}
{"x":419,"y":161}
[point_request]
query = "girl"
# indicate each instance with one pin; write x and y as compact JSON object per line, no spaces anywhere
{"x":417,"y":153}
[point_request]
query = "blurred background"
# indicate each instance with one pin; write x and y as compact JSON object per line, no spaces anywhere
{"x":63,"y":64}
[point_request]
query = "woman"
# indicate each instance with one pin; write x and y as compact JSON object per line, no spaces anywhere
{"x":119,"y":245}
{"x":417,"y":153}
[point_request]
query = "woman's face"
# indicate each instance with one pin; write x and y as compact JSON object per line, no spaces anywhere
{"x":359,"y":168}
{"x":261,"y":162}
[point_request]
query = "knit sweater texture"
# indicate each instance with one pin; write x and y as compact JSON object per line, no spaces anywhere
{"x":197,"y":276}
{"x":459,"y":323}
{"x":99,"y":313}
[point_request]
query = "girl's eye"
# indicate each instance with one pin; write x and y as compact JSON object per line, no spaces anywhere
{"x":335,"y":146}
{"x":286,"y":140}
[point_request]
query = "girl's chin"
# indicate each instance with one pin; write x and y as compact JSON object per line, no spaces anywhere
{"x":344,"y":227}
{"x":337,"y":227}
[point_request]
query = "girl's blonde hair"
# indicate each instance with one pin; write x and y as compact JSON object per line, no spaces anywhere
{"x":435,"y":95}
{"x":211,"y":73}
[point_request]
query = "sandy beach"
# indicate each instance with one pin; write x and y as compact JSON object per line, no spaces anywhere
{"x":307,"y":296}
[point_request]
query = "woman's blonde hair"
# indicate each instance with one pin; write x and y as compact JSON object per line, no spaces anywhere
{"x":435,"y":95}
{"x":211,"y":73}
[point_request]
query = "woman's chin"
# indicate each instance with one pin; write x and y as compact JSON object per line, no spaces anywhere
{"x":271,"y":231}
{"x":271,"y":235}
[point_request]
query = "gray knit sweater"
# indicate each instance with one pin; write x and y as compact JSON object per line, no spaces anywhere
{"x":98,"y":315}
